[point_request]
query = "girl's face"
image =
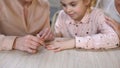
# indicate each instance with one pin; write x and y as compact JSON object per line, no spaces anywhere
{"x":76,"y":9}
{"x":25,"y":0}
{"x":28,"y":0}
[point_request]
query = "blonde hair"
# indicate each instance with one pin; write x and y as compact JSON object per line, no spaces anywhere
{"x":92,"y":4}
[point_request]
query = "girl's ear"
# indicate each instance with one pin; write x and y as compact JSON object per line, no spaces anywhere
{"x":87,"y":2}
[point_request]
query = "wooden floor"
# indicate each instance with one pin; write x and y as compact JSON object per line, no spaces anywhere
{"x":76,"y":58}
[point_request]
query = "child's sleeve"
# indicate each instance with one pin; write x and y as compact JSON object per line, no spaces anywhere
{"x":106,"y":38}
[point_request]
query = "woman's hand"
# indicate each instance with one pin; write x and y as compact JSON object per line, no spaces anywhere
{"x":27,"y":43}
{"x":61,"y":45}
{"x":46,"y":34}
{"x":115,"y":25}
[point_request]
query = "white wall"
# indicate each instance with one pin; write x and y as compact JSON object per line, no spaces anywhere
{"x":54,"y":3}
{"x":55,"y":6}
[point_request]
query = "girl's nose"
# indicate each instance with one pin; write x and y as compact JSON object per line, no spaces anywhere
{"x":68,"y":10}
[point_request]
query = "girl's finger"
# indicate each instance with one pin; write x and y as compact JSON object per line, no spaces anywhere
{"x":57,"y":50}
{"x":52,"y":47}
{"x":49,"y":47}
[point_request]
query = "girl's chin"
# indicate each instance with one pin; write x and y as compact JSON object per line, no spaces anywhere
{"x":73,"y":17}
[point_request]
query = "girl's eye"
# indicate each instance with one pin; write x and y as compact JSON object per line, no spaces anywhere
{"x":73,"y":4}
{"x":63,"y":5}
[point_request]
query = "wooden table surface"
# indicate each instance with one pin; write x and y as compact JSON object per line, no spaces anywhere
{"x":74,"y":58}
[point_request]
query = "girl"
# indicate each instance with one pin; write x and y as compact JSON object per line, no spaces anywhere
{"x":84,"y":25}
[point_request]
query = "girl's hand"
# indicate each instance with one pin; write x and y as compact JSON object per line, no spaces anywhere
{"x":27,"y":43}
{"x":59,"y":46}
{"x":46,"y":34}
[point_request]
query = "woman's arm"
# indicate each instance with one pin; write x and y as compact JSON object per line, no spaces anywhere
{"x":115,"y":25}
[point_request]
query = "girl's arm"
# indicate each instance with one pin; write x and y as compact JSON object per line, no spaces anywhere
{"x":106,"y":38}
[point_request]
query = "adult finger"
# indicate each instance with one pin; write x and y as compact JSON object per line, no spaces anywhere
{"x":45,"y":33}
{"x":48,"y":35}
{"x":29,"y":50}
{"x":41,"y":33}
{"x":111,"y":22}
{"x":36,"y":40}
{"x":32,"y":42}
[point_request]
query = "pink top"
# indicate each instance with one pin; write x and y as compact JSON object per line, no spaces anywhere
{"x":90,"y":32}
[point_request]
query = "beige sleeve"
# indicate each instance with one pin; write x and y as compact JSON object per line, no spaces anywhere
{"x":6,"y":42}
